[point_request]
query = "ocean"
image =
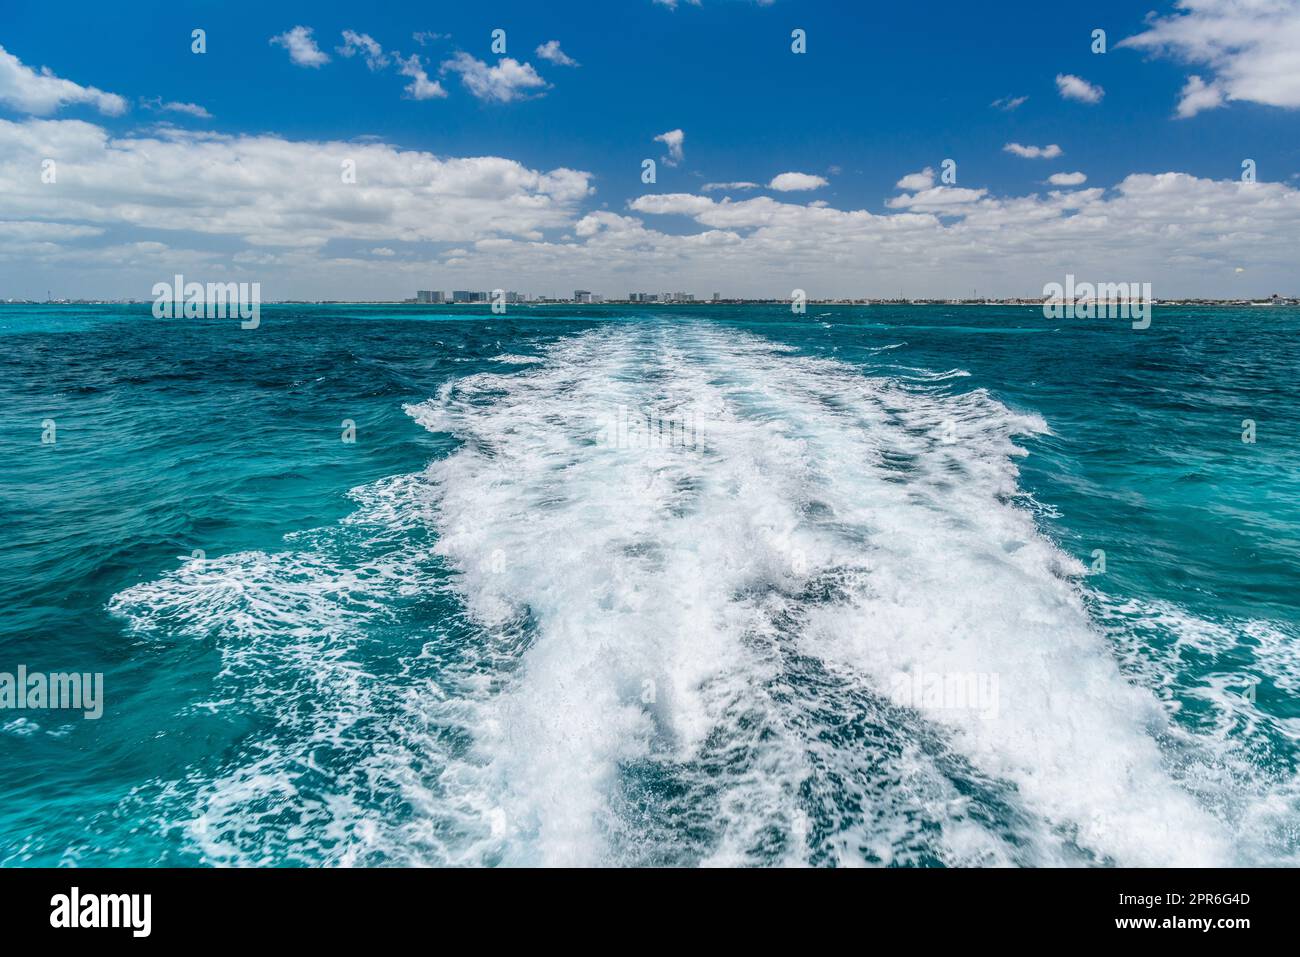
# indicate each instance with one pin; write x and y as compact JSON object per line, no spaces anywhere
{"x":622,"y":586}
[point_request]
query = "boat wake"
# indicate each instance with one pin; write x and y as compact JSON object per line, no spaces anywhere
{"x":682,"y":597}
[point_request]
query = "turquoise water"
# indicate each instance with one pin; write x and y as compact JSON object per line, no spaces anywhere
{"x":495,"y":630}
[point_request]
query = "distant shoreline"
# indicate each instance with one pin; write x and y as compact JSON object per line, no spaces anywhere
{"x":1030,"y":303}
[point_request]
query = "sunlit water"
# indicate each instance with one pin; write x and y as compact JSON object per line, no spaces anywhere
{"x":509,"y":624}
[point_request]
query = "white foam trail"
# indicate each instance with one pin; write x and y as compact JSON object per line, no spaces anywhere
{"x":1225,"y":745}
{"x":343,"y":768}
{"x":696,"y":564}
{"x":708,"y":613}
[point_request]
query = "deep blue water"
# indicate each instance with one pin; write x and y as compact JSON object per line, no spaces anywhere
{"x":492,"y":631}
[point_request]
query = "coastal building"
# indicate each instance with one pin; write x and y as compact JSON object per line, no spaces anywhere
{"x":430,"y":296}
{"x":582,"y":295}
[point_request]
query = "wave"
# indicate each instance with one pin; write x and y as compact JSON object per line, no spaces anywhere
{"x":829,"y":533}
{"x":701,"y":600}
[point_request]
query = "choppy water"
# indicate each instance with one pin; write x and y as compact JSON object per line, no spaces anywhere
{"x":508,"y":625}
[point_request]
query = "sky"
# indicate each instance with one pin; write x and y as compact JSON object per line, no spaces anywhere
{"x":352,"y":151}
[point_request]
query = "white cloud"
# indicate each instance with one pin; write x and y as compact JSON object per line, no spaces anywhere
{"x":1253,"y":47}
{"x":1198,"y":95}
{"x":672,"y":4}
{"x":1183,"y":234}
{"x":382,"y":251}
{"x":268,"y":191}
{"x":420,"y":87}
{"x":550,"y":50}
{"x":674,"y":140}
{"x":282,"y":209}
{"x":1076,"y":88}
{"x":367,"y":46}
{"x":917,"y":181}
{"x":1009,"y":103}
{"x":29,"y":231}
{"x":507,"y":81}
{"x":687,"y":204}
{"x":937,"y":199}
{"x":25,"y":90}
{"x":424,"y":37}
{"x":1067,"y":179}
{"x":303,"y":50}
{"x":714,"y":187}
{"x":792,"y":182}
{"x":1051,"y":151}
{"x":190,"y":109}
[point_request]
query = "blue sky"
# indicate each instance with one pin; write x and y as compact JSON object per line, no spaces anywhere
{"x":883,"y":91}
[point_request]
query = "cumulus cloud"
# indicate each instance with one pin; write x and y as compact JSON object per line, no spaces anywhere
{"x":185,"y":199}
{"x":687,"y":204}
{"x":913,"y":182}
{"x":303,"y":50}
{"x":937,"y":198}
{"x":674,"y":140}
{"x":1051,"y":151}
{"x":27,"y":91}
{"x":715,"y":187}
{"x":793,"y":182}
{"x":1253,"y":47}
{"x":1180,"y":232}
{"x":363,"y":43}
{"x":1072,"y":87}
{"x":509,"y":80}
{"x":267,"y":190}
{"x":550,"y":50}
{"x":420,"y":87}
{"x":1198,"y":95}
{"x":1067,"y":179}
